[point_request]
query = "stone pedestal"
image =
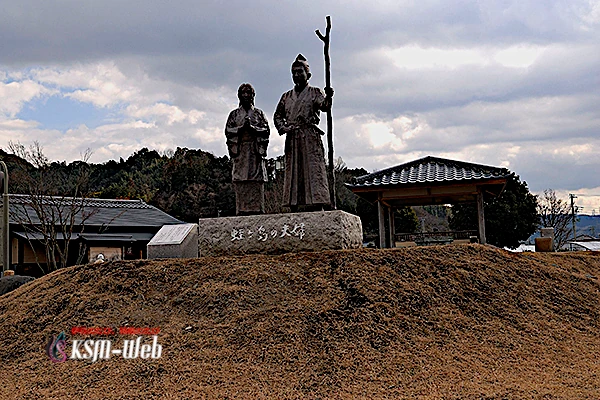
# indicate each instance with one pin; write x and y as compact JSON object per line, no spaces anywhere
{"x":279,"y":233}
{"x":174,"y":241}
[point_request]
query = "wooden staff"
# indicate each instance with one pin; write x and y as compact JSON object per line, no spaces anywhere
{"x":325,"y":39}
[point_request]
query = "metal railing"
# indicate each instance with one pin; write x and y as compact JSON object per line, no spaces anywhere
{"x":433,"y":236}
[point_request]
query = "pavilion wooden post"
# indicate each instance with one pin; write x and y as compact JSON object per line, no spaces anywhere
{"x":392,"y":227}
{"x":381,"y":210}
{"x":480,"y":216}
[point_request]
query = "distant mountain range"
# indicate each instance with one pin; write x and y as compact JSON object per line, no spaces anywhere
{"x":588,"y":225}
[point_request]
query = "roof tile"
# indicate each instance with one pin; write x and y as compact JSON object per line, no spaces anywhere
{"x":98,"y":212}
{"x":429,"y":169}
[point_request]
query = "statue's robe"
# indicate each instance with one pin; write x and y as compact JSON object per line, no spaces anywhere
{"x":305,"y":181}
{"x":248,"y":148}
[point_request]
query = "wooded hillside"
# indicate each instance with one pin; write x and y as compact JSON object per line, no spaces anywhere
{"x":187,"y":184}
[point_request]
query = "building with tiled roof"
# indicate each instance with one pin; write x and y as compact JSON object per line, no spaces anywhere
{"x":118,"y":229}
{"x":427,"y":181}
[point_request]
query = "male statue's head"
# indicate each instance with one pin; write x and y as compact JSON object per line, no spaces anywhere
{"x":246,"y":95}
{"x":300,"y":71}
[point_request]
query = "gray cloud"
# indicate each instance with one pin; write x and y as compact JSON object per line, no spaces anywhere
{"x":175,"y":66}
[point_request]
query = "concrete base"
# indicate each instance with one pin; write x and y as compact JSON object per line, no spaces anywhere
{"x":544,"y":244}
{"x":174,"y":241}
{"x":279,"y":233}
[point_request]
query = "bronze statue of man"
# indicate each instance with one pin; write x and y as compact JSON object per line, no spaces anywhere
{"x":297,"y":116}
{"x":247,"y":132}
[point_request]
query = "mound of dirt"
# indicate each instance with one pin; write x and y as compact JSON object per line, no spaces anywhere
{"x":452,"y":322}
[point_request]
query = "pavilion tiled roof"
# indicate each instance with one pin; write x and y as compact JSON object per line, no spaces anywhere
{"x":428,"y":170}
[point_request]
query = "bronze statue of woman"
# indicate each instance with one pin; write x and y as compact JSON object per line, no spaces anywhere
{"x":247,"y":132}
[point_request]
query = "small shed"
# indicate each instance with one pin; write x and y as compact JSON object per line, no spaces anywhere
{"x":428,"y":181}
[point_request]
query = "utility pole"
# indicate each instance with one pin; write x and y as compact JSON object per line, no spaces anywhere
{"x":573,"y":197}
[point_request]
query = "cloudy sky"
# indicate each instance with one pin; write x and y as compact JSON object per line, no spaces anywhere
{"x":504,"y":83}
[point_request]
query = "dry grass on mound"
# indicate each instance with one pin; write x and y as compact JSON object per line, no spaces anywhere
{"x":452,"y":322}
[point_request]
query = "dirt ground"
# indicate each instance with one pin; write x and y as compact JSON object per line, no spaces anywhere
{"x":440,"y":322}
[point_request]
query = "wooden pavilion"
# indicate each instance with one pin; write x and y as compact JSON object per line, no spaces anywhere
{"x":428,"y":181}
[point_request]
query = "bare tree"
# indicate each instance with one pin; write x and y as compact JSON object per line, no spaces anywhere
{"x":52,"y":205}
{"x":555,"y":213}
